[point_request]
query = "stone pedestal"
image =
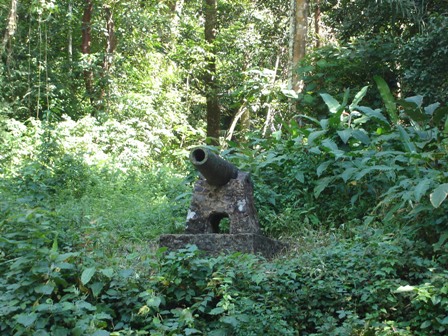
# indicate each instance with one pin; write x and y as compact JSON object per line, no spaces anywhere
{"x":210,"y":206}
{"x":216,"y":243}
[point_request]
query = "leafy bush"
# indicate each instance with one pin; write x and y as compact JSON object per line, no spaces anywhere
{"x":332,"y":69}
{"x":330,"y":291}
{"x":422,"y":77}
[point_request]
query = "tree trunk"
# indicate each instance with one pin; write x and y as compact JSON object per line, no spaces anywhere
{"x":213,"y":111}
{"x":297,"y":40}
{"x":85,"y":47}
{"x":70,"y":35}
{"x":317,"y":22}
{"x":110,"y":48}
{"x":11,"y":26}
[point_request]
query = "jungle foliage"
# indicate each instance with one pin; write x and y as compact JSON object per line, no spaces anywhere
{"x":350,"y":171}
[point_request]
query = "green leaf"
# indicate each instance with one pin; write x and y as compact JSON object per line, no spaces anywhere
{"x":439,"y":195}
{"x":417,"y":100}
{"x":45,"y":289}
{"x":332,"y":147}
{"x":154,"y":302}
{"x":421,"y":189}
{"x":406,"y":140}
{"x":443,"y":238}
{"x":425,"y":324}
{"x":314,"y":135}
{"x":191,"y":331}
{"x":362,"y":136}
{"x":358,"y":97}
{"x":230,"y":320}
{"x":348,"y":173}
{"x":322,"y":167}
{"x":300,"y":176}
{"x":87,"y":275}
{"x":345,"y":135}
{"x":388,"y":98}
{"x":333,"y":104}
{"x":375,"y":114}
{"x":26,"y":319}
{"x":445,"y":320}
{"x":218,"y":332}
{"x":85,"y":305}
{"x":322,"y":184}
{"x":101,"y":333}
{"x":217,"y":311}
{"x":96,"y":288}
{"x":368,"y":170}
{"x":108,"y":272}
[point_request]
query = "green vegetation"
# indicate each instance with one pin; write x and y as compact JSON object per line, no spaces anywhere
{"x":350,"y":170}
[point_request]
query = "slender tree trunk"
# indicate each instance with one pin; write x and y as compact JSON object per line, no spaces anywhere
{"x":213,"y":111}
{"x":110,"y":48}
{"x":317,"y":22}
{"x":297,"y":42}
{"x":11,"y":26}
{"x":85,"y":47}
{"x":70,"y":34}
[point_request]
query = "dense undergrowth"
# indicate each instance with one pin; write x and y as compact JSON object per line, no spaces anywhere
{"x":360,"y":196}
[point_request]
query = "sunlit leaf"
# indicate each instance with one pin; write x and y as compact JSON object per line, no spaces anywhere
{"x":332,"y":104}
{"x":439,"y":195}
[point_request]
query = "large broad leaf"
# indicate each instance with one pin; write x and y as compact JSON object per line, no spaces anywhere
{"x":332,"y":147}
{"x":359,"y":96}
{"x":431,"y":108}
{"x":406,"y":140}
{"x":314,"y":135}
{"x":439,"y":195}
{"x":345,"y":135}
{"x":322,"y":184}
{"x":421,"y":189}
{"x":374,"y":114}
{"x":388,"y":98}
{"x":348,"y":173}
{"x":322,"y":167}
{"x":26,"y":319}
{"x":417,"y":100}
{"x":87,"y":275}
{"x":369,"y":170}
{"x":335,"y":108}
{"x":362,"y":136}
{"x":333,"y":104}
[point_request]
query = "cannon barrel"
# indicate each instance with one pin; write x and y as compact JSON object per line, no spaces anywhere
{"x":216,"y":170}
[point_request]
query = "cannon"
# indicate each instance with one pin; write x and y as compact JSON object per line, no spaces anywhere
{"x":222,"y":215}
{"x":213,"y":168}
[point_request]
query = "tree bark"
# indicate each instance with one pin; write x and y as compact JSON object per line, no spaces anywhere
{"x":213,"y":110}
{"x":297,"y":40}
{"x":317,"y":22}
{"x":111,"y":43}
{"x":85,"y":47}
{"x":11,"y":26}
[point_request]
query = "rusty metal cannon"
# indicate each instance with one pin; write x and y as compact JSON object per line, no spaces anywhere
{"x":224,"y":193}
{"x":213,"y":168}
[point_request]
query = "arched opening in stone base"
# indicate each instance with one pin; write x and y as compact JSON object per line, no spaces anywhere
{"x":219,"y":222}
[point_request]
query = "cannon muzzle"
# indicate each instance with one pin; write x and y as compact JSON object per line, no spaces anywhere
{"x":216,"y":170}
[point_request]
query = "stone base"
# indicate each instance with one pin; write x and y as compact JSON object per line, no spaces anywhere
{"x":216,"y":243}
